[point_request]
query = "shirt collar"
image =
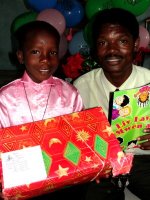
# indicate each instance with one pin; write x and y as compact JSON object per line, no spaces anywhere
{"x":26,"y":79}
{"x":106,"y":84}
{"x":110,"y":87}
{"x":131,"y":80}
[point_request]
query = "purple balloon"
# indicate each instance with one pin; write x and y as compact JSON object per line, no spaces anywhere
{"x":53,"y":17}
{"x":144,"y":37}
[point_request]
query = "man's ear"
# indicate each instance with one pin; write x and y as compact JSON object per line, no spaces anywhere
{"x":19,"y":54}
{"x":136,"y":44}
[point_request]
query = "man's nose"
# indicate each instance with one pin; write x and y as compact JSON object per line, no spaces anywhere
{"x":112,"y":47}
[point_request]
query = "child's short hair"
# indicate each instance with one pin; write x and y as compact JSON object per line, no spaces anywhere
{"x":30,"y":28}
{"x":115,"y":16}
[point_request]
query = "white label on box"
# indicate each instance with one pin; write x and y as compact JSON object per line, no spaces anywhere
{"x":23,"y":166}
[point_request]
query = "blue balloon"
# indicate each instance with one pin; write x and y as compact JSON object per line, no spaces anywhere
{"x":72,"y":10}
{"x":78,"y":44}
{"x":39,"y":5}
{"x":144,"y":16}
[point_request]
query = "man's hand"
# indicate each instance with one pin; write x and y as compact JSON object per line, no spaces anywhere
{"x":145,"y":139}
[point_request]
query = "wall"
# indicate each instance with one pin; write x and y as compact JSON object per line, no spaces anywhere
{"x":9,"y":9}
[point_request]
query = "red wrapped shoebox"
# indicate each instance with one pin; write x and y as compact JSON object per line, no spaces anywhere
{"x":75,"y":148}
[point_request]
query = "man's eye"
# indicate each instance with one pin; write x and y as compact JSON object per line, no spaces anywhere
{"x":53,"y":53}
{"x":34,"y":51}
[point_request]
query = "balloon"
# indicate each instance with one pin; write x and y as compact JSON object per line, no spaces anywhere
{"x":53,"y":17}
{"x":63,"y":46}
{"x":39,"y":5}
{"x":87,"y":32}
{"x":78,"y":44}
{"x":23,"y":19}
{"x":92,"y":8}
{"x":144,"y":37}
{"x":72,"y":11}
{"x":136,"y":7}
{"x":144,"y":16}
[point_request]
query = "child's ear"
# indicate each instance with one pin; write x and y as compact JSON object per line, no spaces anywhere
{"x":19,"y":54}
{"x":136,"y":44}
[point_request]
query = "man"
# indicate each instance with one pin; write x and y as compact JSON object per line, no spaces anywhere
{"x":115,"y":34}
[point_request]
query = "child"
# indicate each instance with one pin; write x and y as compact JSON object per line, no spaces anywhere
{"x":38,"y":94}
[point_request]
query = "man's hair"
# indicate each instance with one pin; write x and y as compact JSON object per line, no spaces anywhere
{"x":31,"y":28}
{"x":115,"y":16}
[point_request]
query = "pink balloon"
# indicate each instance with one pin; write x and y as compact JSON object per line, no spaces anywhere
{"x":53,"y":17}
{"x":63,"y":46}
{"x":144,"y":37}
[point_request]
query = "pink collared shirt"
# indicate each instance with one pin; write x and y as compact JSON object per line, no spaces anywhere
{"x":23,"y":100}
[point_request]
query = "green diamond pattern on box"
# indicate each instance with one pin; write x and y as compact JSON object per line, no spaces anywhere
{"x":101,"y":146}
{"x":72,"y":153}
{"x":47,"y":161}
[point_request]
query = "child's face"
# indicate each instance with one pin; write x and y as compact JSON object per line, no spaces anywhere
{"x":40,"y":55}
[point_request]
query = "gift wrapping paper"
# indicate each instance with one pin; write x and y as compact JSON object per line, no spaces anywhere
{"x":76,"y":148}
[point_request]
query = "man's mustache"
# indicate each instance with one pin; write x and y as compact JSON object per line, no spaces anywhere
{"x":113,"y":56}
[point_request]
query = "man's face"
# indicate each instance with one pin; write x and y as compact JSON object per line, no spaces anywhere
{"x":115,"y":48}
{"x":40,"y":55}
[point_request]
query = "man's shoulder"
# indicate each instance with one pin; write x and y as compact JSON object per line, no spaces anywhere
{"x":142,"y":70}
{"x":89,"y":76}
{"x":141,"y":75}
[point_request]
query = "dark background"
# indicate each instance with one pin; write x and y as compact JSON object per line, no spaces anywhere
{"x":9,"y":10}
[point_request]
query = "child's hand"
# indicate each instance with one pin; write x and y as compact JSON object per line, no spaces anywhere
{"x":97,"y":180}
{"x":145,"y":145}
{"x":108,"y":175}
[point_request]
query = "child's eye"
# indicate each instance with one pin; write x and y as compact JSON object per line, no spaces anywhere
{"x":101,"y":43}
{"x":34,"y":51}
{"x":53,"y":53}
{"x":124,"y":42}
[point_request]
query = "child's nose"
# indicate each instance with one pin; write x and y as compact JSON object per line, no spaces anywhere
{"x":45,"y":57}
